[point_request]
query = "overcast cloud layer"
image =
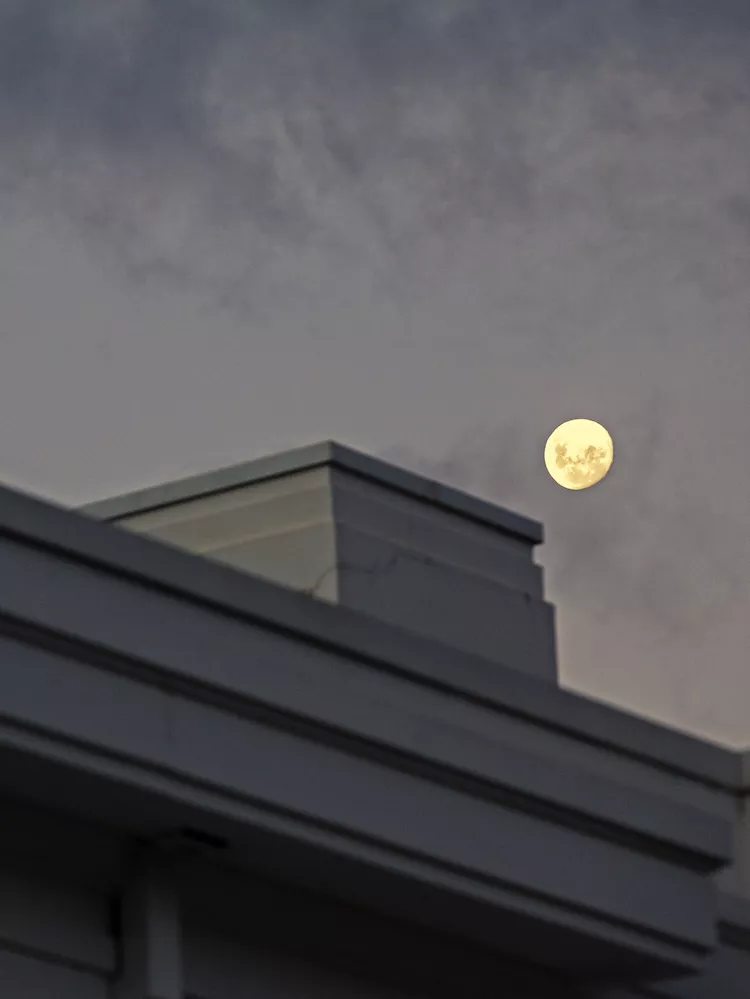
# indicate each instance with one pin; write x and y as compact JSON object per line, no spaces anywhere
{"x":432,"y":230}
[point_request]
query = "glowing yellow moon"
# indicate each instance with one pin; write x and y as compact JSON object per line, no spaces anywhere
{"x":579,"y":454}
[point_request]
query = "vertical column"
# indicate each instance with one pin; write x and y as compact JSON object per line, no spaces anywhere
{"x":150,"y":965}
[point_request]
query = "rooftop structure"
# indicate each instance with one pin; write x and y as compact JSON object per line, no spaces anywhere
{"x":352,"y":530}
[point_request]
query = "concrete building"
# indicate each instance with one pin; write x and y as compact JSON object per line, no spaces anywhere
{"x":293,"y":730}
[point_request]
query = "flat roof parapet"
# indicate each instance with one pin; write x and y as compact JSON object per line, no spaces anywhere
{"x":311,"y":456}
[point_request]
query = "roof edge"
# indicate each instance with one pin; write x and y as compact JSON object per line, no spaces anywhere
{"x":46,"y":524}
{"x":310,"y":456}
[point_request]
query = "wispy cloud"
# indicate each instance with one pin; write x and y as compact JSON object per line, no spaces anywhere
{"x":556,"y":192}
{"x":200,"y":136}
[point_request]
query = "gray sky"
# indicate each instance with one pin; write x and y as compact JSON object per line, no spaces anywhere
{"x":431,"y":230}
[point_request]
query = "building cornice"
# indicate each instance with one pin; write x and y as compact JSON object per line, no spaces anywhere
{"x":149,"y":688}
{"x":77,"y":536}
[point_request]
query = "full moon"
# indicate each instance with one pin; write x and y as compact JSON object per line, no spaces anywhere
{"x":579,"y":454}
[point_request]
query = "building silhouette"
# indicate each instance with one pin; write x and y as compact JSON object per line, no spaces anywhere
{"x":293,"y":730}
